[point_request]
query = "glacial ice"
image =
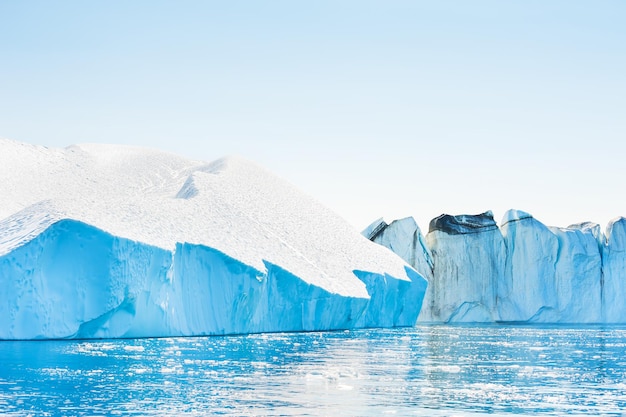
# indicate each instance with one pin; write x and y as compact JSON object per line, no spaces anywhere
{"x":104,"y":241}
{"x":471,"y":250}
{"x":522,"y":271}
{"x":614,"y":272}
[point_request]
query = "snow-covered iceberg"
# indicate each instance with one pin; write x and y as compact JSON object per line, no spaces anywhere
{"x":113,"y":241}
{"x":522,"y":271}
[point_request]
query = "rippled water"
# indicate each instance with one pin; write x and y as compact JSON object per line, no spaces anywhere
{"x":427,"y":370}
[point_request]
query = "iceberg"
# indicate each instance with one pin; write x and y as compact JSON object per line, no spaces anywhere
{"x":109,"y":241}
{"x":522,"y":271}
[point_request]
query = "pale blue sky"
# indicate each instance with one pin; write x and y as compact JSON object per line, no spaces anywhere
{"x":376,"y":108}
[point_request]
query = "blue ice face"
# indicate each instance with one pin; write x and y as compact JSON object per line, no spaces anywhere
{"x":523,"y":271}
{"x":76,"y":281}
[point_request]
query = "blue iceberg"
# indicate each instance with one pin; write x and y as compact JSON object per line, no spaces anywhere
{"x":103,"y":241}
{"x":522,"y":271}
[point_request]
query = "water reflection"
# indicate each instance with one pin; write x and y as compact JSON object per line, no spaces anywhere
{"x":428,"y":370}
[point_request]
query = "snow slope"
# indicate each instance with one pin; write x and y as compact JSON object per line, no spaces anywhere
{"x":116,"y":241}
{"x":522,"y":271}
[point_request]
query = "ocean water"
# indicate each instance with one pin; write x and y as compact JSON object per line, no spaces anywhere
{"x":427,"y":370}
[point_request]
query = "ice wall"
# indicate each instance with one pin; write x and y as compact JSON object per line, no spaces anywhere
{"x":76,"y":281}
{"x":614,"y":272}
{"x":554,"y":275}
{"x":528,"y":292}
{"x":523,"y":271}
{"x":469,"y":259}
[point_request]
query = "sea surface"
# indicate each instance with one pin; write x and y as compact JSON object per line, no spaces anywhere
{"x":434,"y":370}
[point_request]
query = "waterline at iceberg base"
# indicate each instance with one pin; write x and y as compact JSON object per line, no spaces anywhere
{"x":522,"y":271}
{"x":104,"y":241}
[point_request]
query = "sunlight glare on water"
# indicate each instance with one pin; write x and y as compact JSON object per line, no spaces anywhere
{"x":426,"y":370}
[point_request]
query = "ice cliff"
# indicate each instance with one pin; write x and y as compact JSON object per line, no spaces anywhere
{"x":111,"y":241}
{"x":522,"y":271}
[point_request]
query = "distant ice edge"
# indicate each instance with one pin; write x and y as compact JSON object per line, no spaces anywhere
{"x":522,"y":271}
{"x":74,"y":280}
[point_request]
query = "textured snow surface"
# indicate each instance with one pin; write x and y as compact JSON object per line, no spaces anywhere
{"x":523,"y":271}
{"x":116,"y":241}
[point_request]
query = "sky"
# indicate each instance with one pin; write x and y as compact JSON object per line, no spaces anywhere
{"x":375,"y":108}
